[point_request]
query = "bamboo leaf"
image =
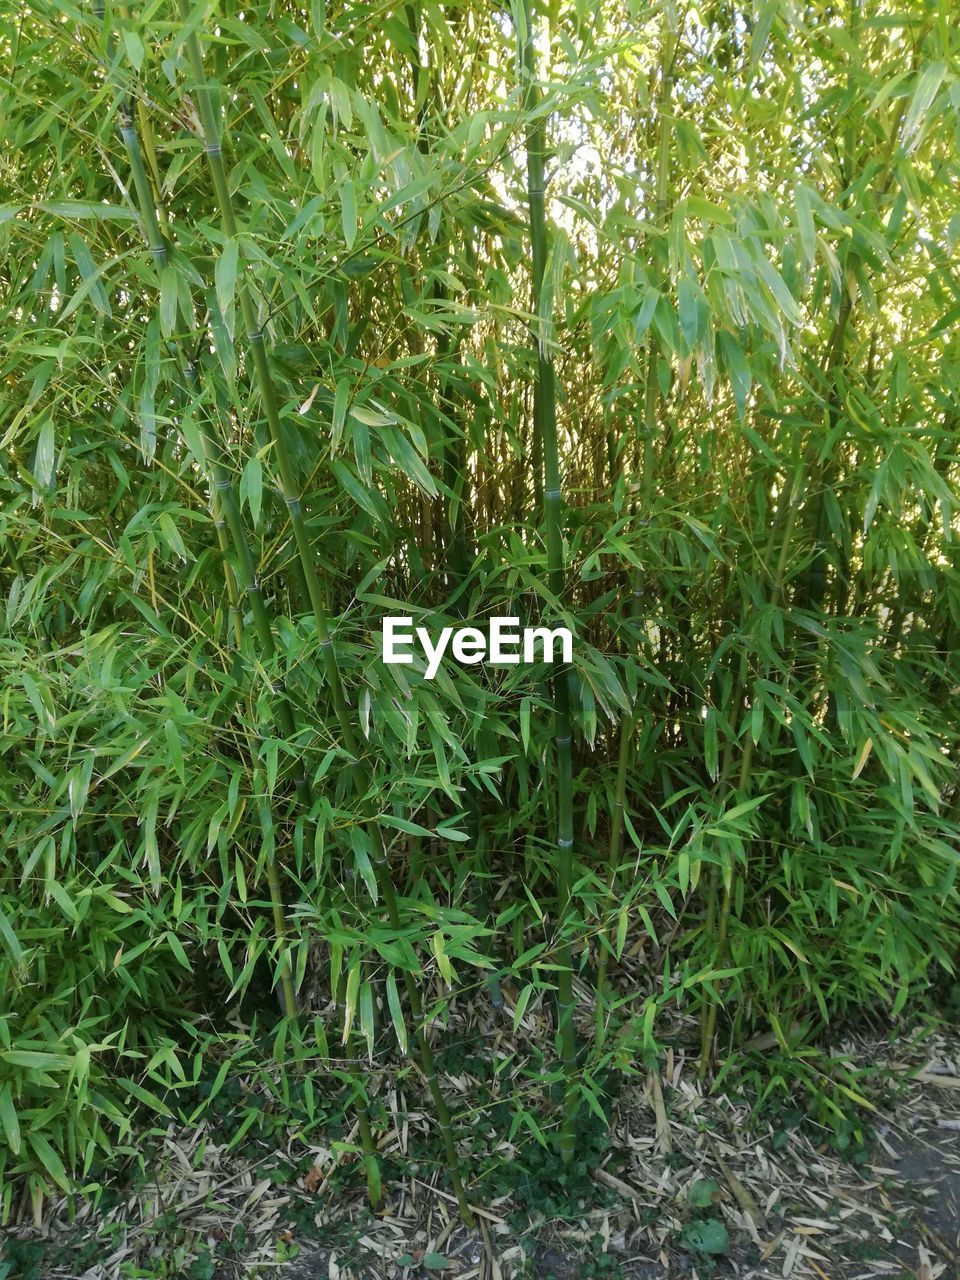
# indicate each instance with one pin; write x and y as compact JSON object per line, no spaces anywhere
{"x":396,"y":1012}
{"x":251,"y":487}
{"x":348,"y":211}
{"x":176,"y":946}
{"x":169,"y":289}
{"x":8,"y":1119}
{"x":341,"y":400}
{"x":226,"y":275}
{"x":350,"y":1002}
{"x":44,"y":461}
{"x":367,"y":1026}
{"x":49,"y":1159}
{"x":698,"y":207}
{"x":83,"y":209}
{"x":10,"y":939}
{"x":917,"y":119}
{"x":90,"y":272}
{"x":134,"y":49}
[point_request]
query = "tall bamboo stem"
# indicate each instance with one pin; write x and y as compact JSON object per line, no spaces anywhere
{"x":227,"y":518}
{"x":545,"y":418}
{"x":211,"y":134}
{"x":782,"y":529}
{"x":651,"y":400}
{"x":225,"y":513}
{"x":661,"y":192}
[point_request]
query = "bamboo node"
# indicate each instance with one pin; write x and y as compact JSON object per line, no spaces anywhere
{"x":552,"y":493}
{"x":212,"y":148}
{"x":564,"y":844}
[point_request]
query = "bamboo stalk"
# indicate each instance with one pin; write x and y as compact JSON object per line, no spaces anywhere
{"x":451,"y":453}
{"x":545,"y":418}
{"x":624,"y":754}
{"x":816,"y":584}
{"x":225,"y":514}
{"x":784,"y":521}
{"x":651,"y":400}
{"x":661,"y":190}
{"x":267,"y":821}
{"x":291,"y":495}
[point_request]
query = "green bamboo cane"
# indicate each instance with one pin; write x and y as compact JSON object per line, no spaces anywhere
{"x":233,"y":591}
{"x":211,"y":136}
{"x":545,"y":416}
{"x":265,"y":809}
{"x":816,"y":584}
{"x":661,"y":192}
{"x":221,"y":485}
{"x":456,"y":481}
{"x":211,"y":133}
{"x":782,"y":530}
{"x":813,"y":589}
{"x":288,"y":991}
{"x":451,"y":453}
{"x":628,"y":728}
{"x":453,"y":470}
{"x":226,"y":515}
{"x":651,"y":400}
{"x":224,"y":501}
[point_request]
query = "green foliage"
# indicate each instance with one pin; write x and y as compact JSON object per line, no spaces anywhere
{"x":708,"y":1235}
{"x":253,"y":396}
{"x":539,"y":1183}
{"x":703,"y":1193}
{"x":429,"y":1262}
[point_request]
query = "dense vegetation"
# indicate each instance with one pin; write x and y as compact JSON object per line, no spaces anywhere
{"x":292,"y":340}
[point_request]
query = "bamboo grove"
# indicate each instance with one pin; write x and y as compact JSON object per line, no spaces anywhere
{"x":639,"y":319}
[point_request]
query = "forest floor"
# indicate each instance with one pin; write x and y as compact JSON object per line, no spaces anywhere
{"x":685,"y":1184}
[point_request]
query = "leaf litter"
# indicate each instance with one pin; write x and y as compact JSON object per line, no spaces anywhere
{"x":689,"y":1185}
